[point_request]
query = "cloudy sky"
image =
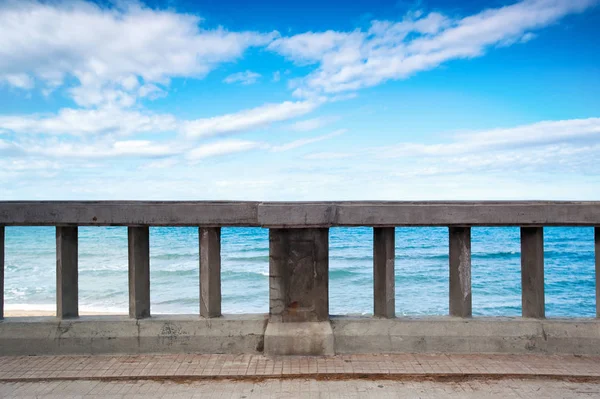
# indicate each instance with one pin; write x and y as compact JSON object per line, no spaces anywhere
{"x":310,"y":100}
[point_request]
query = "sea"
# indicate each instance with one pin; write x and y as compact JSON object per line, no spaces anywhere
{"x":421,"y":270}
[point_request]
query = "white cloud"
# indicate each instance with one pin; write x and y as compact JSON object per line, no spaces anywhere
{"x":224,"y":147}
{"x":276,"y":76}
{"x":245,"y":78}
{"x":301,"y":142}
{"x":328,"y":155}
{"x":106,"y":48}
{"x":102,"y":149}
{"x":570,"y":132}
{"x":247,"y":119}
{"x":151,"y":91}
{"x":85,"y":122}
{"x":528,"y":37}
{"x":18,"y":80}
{"x":311,"y":124}
{"x":116,"y":120}
{"x":349,"y":61}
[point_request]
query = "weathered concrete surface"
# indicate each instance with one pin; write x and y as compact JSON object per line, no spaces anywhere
{"x":300,"y":214}
{"x":305,"y":388}
{"x":67,"y":291}
{"x":246,"y":334}
{"x":299,"y":339}
{"x":210,"y":271}
{"x":298,"y":275}
{"x":460,"y":271}
{"x":532,"y":272}
{"x":458,"y":213}
{"x":1,"y":272}
{"x":384,"y":277}
{"x":128,"y":213}
{"x":458,"y":335}
{"x":120,"y":334}
{"x":139,"y":272}
{"x":597,"y":245}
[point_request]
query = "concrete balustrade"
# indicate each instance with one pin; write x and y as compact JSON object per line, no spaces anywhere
{"x":460,"y":271}
{"x":139,"y":271}
{"x":1,"y":272}
{"x":597,"y":245}
{"x":299,"y":322}
{"x":532,"y":272}
{"x":67,"y":288}
{"x":210,"y":271}
{"x":384,"y":276}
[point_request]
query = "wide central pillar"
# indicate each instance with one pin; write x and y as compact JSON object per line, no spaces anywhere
{"x":299,"y":293}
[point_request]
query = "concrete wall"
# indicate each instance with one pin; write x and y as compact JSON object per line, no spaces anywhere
{"x":245,"y":334}
{"x":120,"y":334}
{"x":458,"y":335}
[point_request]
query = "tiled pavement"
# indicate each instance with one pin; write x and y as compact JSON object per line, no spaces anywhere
{"x":392,"y":366}
{"x":301,"y":388}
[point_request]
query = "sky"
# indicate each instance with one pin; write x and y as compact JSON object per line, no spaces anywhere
{"x":310,"y":100}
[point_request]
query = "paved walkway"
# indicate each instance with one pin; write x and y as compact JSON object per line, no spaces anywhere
{"x":301,"y":388}
{"x":393,"y":366}
{"x":257,"y":376}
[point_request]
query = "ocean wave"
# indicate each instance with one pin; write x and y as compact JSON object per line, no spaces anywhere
{"x":258,"y":258}
{"x":179,"y":301}
{"x":344,"y":273}
{"x":174,"y":272}
{"x":244,"y":274}
{"x":351,"y":258}
{"x":175,"y":256}
{"x":255,"y":248}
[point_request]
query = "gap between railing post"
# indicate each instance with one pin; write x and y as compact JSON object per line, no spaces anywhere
{"x":460,"y":298}
{"x":532,"y":272}
{"x":139,"y":271}
{"x":67,"y":290}
{"x":384,"y":278}
{"x":210,"y":271}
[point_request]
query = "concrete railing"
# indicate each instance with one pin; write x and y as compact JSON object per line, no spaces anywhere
{"x":298,"y":321}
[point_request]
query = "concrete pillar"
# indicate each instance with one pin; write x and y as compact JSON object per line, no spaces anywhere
{"x":1,"y":272}
{"x":597,"y":245}
{"x":460,"y":271}
{"x":210,"y":272}
{"x":532,"y":272}
{"x":299,"y":274}
{"x":299,"y":293}
{"x":139,"y":272}
{"x":67,"y":291}
{"x":384,"y":279}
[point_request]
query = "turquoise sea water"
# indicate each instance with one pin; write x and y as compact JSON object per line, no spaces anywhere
{"x":421,"y":270}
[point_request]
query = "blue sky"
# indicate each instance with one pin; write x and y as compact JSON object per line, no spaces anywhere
{"x":272,"y":100}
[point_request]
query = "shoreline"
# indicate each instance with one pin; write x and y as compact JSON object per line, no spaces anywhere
{"x":52,"y":313}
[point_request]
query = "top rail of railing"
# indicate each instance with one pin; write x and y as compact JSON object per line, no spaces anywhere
{"x":299,"y":214}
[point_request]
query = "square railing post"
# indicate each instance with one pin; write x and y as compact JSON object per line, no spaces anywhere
{"x":597,"y":246}
{"x":1,"y":272}
{"x":67,"y":291}
{"x":210,"y":271}
{"x":139,"y":271}
{"x":384,"y":284}
{"x":299,"y":275}
{"x":532,"y":272}
{"x":460,"y":299}
{"x":299,"y":293}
